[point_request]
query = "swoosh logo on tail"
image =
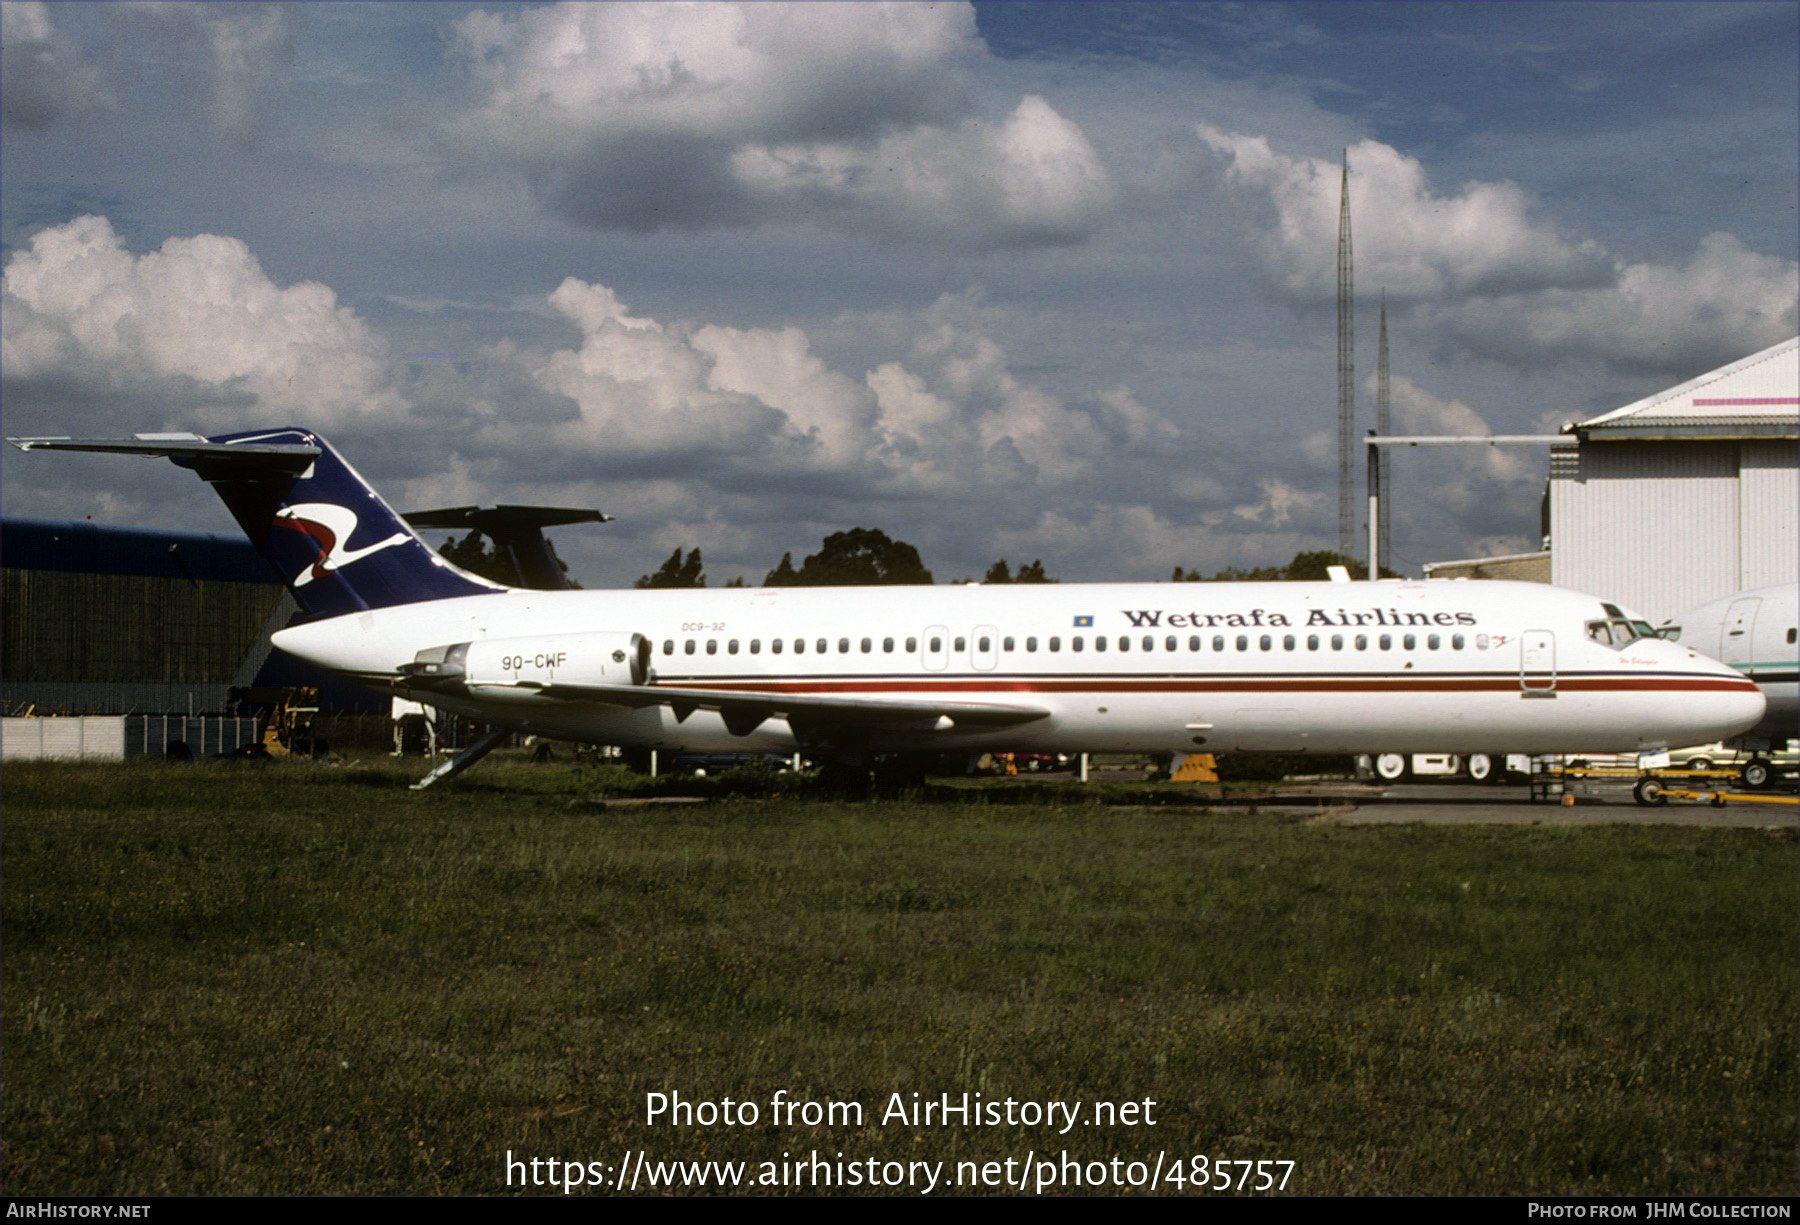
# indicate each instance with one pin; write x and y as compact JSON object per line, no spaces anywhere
{"x":328,"y":525}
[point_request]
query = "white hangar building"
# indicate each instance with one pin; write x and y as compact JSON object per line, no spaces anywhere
{"x":1687,"y":495}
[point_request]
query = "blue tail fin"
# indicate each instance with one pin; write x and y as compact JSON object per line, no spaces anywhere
{"x":336,"y":544}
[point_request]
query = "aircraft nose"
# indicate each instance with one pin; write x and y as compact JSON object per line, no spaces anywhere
{"x":1739,"y":707}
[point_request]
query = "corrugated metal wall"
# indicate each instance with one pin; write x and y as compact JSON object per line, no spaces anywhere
{"x":74,"y":627}
{"x":1769,"y":514}
{"x":1653,"y":526}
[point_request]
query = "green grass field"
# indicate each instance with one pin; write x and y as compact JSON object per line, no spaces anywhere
{"x":287,"y":978}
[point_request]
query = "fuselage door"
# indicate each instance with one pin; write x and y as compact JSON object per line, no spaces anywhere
{"x":984,"y":649}
{"x":1739,"y":628}
{"x":1537,"y":661}
{"x":934,"y":648}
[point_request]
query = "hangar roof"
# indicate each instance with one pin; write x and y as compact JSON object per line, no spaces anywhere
{"x":99,"y":548}
{"x":1757,"y":397}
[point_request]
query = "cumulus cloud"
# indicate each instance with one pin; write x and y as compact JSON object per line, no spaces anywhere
{"x":196,"y":325}
{"x":43,"y":78}
{"x":690,"y":116}
{"x":946,"y":418}
{"x":1408,"y":240}
{"x":1032,"y":179}
{"x":1725,"y":303}
{"x":1482,"y":272}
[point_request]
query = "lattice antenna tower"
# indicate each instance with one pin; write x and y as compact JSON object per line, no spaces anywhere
{"x":1346,"y":371}
{"x":1382,"y":405}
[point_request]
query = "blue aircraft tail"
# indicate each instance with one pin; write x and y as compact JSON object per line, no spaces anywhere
{"x":334,"y":542}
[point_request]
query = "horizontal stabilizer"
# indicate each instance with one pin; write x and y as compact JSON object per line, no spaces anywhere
{"x":286,"y":456}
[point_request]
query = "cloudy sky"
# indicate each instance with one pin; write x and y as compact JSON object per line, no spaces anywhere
{"x":1027,"y":280}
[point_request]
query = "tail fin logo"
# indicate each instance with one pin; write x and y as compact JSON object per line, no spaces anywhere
{"x":331,"y":526}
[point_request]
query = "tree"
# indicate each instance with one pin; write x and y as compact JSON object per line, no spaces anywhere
{"x":1000,"y":572}
{"x":784,"y":574}
{"x":1306,"y":567}
{"x":475,"y":554}
{"x":676,"y":573}
{"x":860,"y":557}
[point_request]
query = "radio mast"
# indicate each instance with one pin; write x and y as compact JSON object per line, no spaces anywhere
{"x":1346,"y":369}
{"x":1386,"y":485}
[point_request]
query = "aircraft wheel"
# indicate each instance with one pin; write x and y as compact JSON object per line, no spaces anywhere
{"x":1649,"y":793}
{"x":1755,"y":774}
{"x":1481,"y":767}
{"x":1391,"y":767}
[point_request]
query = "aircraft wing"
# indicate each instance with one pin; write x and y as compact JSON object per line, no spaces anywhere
{"x":745,"y":711}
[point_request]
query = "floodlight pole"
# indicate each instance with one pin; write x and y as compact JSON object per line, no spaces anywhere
{"x":1375,"y":442}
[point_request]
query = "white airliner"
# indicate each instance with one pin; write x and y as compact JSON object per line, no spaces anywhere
{"x":1754,"y":632}
{"x":1339,"y":667}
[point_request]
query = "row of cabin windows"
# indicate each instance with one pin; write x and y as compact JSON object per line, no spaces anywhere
{"x":1195,"y":642}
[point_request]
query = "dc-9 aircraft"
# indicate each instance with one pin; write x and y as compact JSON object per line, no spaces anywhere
{"x":849,"y":673}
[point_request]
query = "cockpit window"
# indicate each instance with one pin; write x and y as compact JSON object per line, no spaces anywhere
{"x":1670,"y":632}
{"x":1620,"y":632}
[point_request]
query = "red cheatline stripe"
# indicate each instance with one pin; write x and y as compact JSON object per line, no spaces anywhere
{"x":1248,"y":685}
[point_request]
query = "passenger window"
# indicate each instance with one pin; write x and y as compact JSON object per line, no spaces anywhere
{"x":1268,"y":643}
{"x":1075,"y":643}
{"x":1193,"y":642}
{"x":912,"y":644}
{"x":1337,"y":642}
{"x":756,"y":646}
{"x":668,"y":646}
{"x":775,"y":645}
{"x":1099,"y":643}
{"x":937,"y":644}
{"x":821,"y":646}
{"x":1287,"y":642}
{"x":962,"y":644}
{"x":887,"y":646}
{"x":1219,"y":643}
{"x":1243,"y":642}
{"x":1031,"y":644}
{"x":731,"y":647}
{"x":1791,"y":635}
{"x":689,"y":649}
{"x":1169,"y":643}
{"x":984,"y":645}
{"x":799,"y":646}
{"x":1410,"y":642}
{"x":1362,"y":642}
{"x":843,"y":646}
{"x":868,"y":644}
{"x":1431,"y":642}
{"x":712,"y":646}
{"x":1387,"y":642}
{"x":1056,"y":644}
{"x":1006,"y":644}
{"x":1456,"y":642}
{"x":1481,"y":642}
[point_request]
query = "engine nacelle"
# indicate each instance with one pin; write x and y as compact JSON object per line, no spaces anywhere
{"x":535,"y":662}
